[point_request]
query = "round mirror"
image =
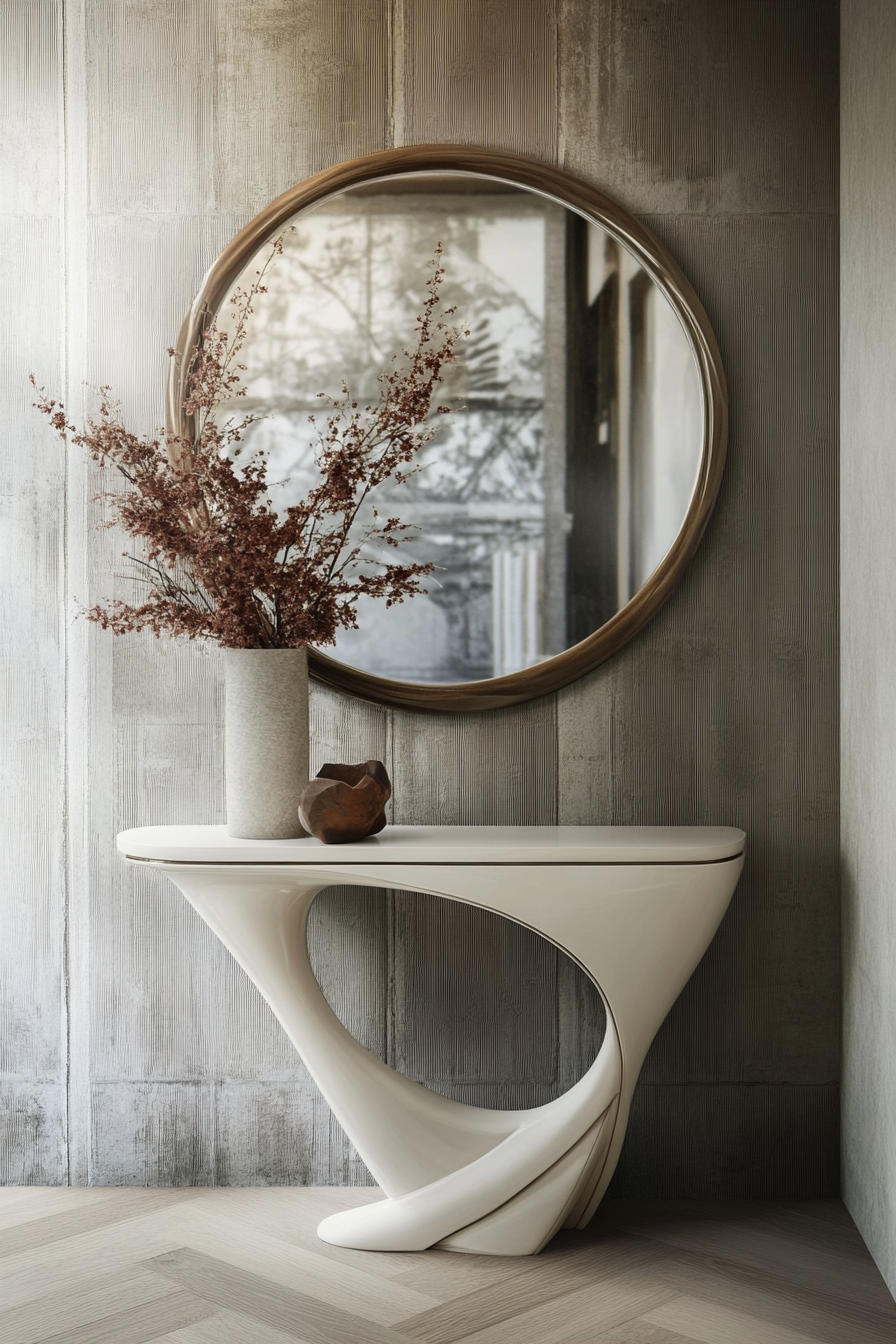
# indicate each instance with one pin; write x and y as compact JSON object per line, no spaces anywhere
{"x":576,"y":468}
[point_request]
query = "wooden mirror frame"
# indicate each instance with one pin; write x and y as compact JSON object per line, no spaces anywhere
{"x":563,"y":668}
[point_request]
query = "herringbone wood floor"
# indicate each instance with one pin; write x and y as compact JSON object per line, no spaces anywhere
{"x":243,"y":1266}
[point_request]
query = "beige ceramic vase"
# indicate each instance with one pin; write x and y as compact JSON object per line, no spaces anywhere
{"x":265,"y":741}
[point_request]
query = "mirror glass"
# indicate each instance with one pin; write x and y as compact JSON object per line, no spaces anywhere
{"x":566,"y":467}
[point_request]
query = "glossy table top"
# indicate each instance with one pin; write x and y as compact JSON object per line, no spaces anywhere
{"x":445,"y":845}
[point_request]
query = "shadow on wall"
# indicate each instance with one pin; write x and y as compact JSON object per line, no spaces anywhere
{"x":513,"y":1025}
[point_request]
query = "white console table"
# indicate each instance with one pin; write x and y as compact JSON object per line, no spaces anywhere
{"x":636,"y":907}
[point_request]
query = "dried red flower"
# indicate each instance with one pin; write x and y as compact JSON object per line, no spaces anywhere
{"x":220,"y":563}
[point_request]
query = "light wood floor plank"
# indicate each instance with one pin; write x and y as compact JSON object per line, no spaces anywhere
{"x":64,"y":1265}
{"x":444,"y":1279}
{"x":230,"y":1327}
{"x":552,"y":1276}
{"x":753,"y":1240}
{"x":246,"y":1244}
{"x":137,"y":1325}
{"x":641,"y":1332}
{"x":579,"y":1315}
{"x":709,"y":1323}
{"x":25,"y":1203}
{"x":103,"y":1212}
{"x":293,"y":1214}
{"x":89,"y":1304}
{"x":774,"y":1295}
{"x":315,"y":1321}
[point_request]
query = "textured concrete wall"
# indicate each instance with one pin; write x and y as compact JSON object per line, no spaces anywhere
{"x":32,"y":581}
{"x":715,"y":121}
{"x":868,"y":493}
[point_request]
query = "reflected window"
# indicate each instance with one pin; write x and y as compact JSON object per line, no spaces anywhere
{"x":557,"y":482}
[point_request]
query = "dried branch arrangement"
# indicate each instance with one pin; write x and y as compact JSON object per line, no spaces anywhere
{"x":219,"y":561}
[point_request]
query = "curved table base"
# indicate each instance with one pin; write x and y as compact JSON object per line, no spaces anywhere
{"x":456,"y":1176}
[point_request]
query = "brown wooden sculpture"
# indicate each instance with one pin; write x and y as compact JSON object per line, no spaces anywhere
{"x":346,"y":802}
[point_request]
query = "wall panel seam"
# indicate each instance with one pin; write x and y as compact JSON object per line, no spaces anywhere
{"x":62,"y":30}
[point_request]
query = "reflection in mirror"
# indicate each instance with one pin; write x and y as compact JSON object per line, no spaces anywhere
{"x":566,"y":467}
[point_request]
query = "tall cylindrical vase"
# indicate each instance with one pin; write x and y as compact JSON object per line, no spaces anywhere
{"x":265,"y":741}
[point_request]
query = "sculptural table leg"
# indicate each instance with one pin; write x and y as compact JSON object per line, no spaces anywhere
{"x":465,"y":1178}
